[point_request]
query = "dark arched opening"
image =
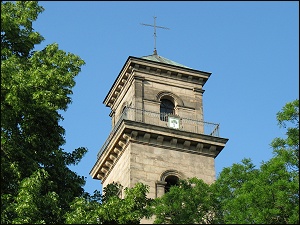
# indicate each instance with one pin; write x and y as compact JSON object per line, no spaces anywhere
{"x":166,"y":108}
{"x":171,"y":181}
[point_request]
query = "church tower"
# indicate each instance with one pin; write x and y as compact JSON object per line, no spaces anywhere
{"x":158,"y":134}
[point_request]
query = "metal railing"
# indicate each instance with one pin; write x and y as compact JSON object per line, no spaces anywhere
{"x":161,"y":119}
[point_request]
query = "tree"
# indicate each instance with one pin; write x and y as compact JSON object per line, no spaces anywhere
{"x":111,"y":208}
{"x":189,"y":202}
{"x":288,"y":148}
{"x":270,"y":194}
{"x":243,"y":194}
{"x":31,"y":203}
{"x":35,"y":85}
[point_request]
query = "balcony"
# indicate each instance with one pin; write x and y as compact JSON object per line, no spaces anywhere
{"x":163,"y":120}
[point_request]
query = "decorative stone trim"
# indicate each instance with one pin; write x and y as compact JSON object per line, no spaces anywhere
{"x":174,"y":140}
{"x":178,"y":100}
{"x":167,"y":173}
{"x":199,"y":90}
{"x":160,"y":188}
{"x":133,"y":65}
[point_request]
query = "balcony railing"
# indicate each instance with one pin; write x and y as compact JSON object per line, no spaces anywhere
{"x":161,"y":119}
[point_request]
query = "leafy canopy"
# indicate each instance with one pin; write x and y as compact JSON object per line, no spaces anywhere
{"x":35,"y":85}
{"x":242,"y":193}
{"x":269,"y":194}
{"x":112,"y":207}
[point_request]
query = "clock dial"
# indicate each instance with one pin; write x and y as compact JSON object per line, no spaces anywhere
{"x":173,"y":122}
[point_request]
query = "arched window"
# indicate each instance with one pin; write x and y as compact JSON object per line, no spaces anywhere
{"x":166,"y":108}
{"x":167,"y":179}
{"x":171,"y":181}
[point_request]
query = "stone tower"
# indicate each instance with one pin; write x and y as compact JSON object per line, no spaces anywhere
{"x":158,"y":134}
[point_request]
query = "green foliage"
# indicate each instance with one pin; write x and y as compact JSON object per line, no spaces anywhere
{"x":188,"y":203}
{"x":34,"y":86}
{"x":111,"y":190}
{"x":17,"y":35}
{"x":31,"y":201}
{"x":111,"y":208}
{"x":243,"y":194}
{"x":288,"y":148}
{"x":270,"y":194}
{"x":83,"y":210}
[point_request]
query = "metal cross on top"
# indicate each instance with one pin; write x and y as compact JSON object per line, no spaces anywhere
{"x":155,"y":52}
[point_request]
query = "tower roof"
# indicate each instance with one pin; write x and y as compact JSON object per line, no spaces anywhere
{"x":159,"y":66}
{"x":157,"y":58}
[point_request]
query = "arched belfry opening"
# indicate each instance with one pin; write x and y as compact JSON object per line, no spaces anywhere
{"x":167,"y":107}
{"x":171,"y":181}
{"x":169,"y":103}
{"x":175,"y":99}
{"x":167,"y":179}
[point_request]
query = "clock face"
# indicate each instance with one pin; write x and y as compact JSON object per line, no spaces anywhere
{"x":173,"y":122}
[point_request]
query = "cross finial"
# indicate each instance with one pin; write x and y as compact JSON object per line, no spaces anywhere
{"x":155,"y":51}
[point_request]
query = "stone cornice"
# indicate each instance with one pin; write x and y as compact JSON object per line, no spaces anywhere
{"x":146,"y":134}
{"x":199,"y":90}
{"x":137,"y":65}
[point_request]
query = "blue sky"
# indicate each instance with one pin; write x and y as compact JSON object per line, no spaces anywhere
{"x":250,"y":47}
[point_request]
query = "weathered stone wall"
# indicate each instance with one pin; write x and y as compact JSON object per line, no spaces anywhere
{"x":121,"y":171}
{"x":148,"y":163}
